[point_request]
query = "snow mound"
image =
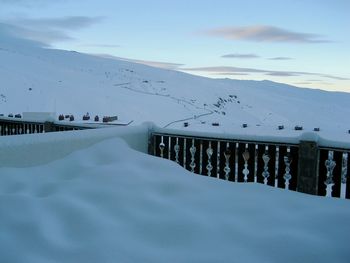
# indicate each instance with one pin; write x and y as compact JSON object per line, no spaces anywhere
{"x":108,"y":203}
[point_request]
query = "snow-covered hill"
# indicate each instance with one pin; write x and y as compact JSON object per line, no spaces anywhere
{"x":38,"y":79}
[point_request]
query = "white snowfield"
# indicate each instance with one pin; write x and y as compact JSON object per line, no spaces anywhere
{"x":98,"y":200}
{"x":67,"y":82}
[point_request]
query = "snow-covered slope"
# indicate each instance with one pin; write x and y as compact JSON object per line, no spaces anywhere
{"x":37,"y":79}
{"x":108,"y":203}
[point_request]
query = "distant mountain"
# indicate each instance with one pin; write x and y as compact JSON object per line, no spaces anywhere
{"x":38,"y":79}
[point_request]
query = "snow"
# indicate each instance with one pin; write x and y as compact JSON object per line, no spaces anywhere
{"x":95,"y":196}
{"x":38,"y":79}
{"x":105,"y":202}
{"x":36,"y":149}
{"x":261,"y":134}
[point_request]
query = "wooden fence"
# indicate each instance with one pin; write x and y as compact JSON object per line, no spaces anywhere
{"x":303,"y":166}
{"x":300,"y":165}
{"x":19,"y":126}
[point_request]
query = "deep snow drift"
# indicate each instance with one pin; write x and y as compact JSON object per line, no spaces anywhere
{"x":108,"y":203}
{"x":38,"y":79}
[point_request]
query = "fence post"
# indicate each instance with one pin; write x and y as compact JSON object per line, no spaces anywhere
{"x":150,"y":127}
{"x":48,"y":126}
{"x":308,"y":167}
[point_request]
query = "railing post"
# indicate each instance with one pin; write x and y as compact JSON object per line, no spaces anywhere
{"x":48,"y":126}
{"x":150,"y":128}
{"x":308,"y":167}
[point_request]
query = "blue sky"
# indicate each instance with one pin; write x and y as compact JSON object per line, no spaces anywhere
{"x":301,"y":42}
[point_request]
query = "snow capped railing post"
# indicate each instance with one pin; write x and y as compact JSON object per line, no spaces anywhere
{"x":308,"y":167}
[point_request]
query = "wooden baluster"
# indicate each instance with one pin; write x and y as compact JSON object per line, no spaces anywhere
{"x":277,"y":155}
{"x":184,"y":153}
{"x":344,"y":172}
{"x":161,"y":147}
{"x":193,"y":153}
{"x":201,"y":157}
{"x":177,"y":150}
{"x":256,"y":163}
{"x":287,"y":161}
{"x":266,"y":158}
{"x":330,"y":165}
{"x":209,"y":152}
{"x":236,"y":161}
{"x":169,"y":148}
{"x":246,"y":157}
{"x":218,"y":160}
{"x":227,"y":154}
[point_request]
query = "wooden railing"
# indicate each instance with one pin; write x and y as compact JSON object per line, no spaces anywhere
{"x":303,"y":166}
{"x":299,"y":164}
{"x":18,"y":126}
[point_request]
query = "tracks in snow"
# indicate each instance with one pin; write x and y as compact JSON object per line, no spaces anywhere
{"x":185,"y":103}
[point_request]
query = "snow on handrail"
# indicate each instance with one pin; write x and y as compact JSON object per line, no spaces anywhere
{"x":273,"y":139}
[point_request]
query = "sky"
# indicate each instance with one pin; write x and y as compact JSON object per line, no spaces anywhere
{"x":300,"y":42}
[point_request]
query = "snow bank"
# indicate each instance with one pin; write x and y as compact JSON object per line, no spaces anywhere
{"x":35,"y":149}
{"x":108,"y":203}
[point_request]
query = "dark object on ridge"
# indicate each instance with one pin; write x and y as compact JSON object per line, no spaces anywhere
{"x":109,"y":118}
{"x":18,"y":116}
{"x":298,"y":128}
{"x":245,"y":125}
{"x":97,"y":118}
{"x":67,"y":116}
{"x":185,"y":124}
{"x":71,"y":118}
{"x":86,"y":117}
{"x":10,"y":115}
{"x":281,"y":127}
{"x":215,"y":124}
{"x":61,"y":117}
{"x":317,"y":129}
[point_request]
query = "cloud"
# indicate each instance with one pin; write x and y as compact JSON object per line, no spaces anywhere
{"x":332,"y":77}
{"x":282,"y":74}
{"x":303,"y":83}
{"x":12,"y":1}
{"x":238,"y":70}
{"x":30,"y":3}
{"x":66,"y":23}
{"x":11,"y":36}
{"x":157,"y":64}
{"x":250,"y":55}
{"x":231,"y":74}
{"x":263,"y":33}
{"x":311,"y":83}
{"x":242,"y":56}
{"x":280,"y":58}
{"x":226,"y":70}
{"x":47,"y":30}
{"x":100,"y":45}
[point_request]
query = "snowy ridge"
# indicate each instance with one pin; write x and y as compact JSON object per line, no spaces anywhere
{"x":37,"y":79}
